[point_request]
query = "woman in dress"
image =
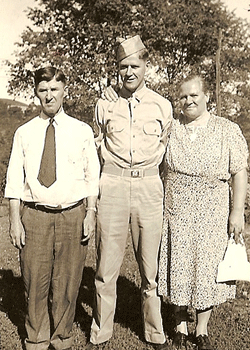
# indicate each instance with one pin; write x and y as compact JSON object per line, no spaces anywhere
{"x":203,"y":153}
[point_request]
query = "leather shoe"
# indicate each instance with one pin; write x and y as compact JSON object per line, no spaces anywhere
{"x":163,"y":346}
{"x":180,"y":341}
{"x":203,"y":342}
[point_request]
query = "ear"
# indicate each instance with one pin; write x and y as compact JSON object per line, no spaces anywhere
{"x":207,"y":97}
{"x":147,"y":65}
{"x":66,"y":91}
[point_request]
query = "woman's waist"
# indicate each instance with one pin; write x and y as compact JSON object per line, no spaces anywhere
{"x":189,"y":179}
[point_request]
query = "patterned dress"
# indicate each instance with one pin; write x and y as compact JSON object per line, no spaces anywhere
{"x":196,"y":210}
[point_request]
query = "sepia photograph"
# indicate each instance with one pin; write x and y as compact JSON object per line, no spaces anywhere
{"x":124,"y":175}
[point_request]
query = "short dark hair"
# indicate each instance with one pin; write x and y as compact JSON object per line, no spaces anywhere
{"x":143,"y":54}
{"x":47,"y":74}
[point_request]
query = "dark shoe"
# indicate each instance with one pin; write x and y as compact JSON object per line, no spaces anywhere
{"x":180,"y":341}
{"x":163,"y":346}
{"x":203,"y":342}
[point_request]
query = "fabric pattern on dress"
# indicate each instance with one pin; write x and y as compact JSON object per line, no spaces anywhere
{"x":196,"y":211}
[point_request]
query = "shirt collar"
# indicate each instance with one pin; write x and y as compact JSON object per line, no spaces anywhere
{"x":140,"y":93}
{"x":137,"y":95}
{"x":59,"y":115}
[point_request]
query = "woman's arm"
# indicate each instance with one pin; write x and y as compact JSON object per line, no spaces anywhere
{"x":236,"y":217}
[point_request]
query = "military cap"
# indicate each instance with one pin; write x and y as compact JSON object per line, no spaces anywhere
{"x":129,"y":46}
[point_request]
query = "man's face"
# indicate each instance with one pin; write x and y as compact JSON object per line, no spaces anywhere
{"x":132,"y":70}
{"x":50,"y":94}
{"x":192,"y":99}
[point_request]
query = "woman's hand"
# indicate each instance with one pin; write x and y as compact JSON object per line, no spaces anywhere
{"x":236,"y":217}
{"x":236,"y":224}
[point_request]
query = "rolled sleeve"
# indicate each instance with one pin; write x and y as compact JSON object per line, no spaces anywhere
{"x":93,"y":167}
{"x":99,"y":118}
{"x":15,"y":173}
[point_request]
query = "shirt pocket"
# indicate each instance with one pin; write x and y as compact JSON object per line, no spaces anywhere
{"x":152,"y":128}
{"x":114,"y":126}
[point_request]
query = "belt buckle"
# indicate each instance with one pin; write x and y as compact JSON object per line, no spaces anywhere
{"x":135,"y":173}
{"x":58,"y":207}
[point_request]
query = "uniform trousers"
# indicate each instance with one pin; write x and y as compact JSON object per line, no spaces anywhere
{"x":138,"y":202}
{"x":52,"y":260}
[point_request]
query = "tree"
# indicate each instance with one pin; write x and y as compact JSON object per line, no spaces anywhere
{"x":80,"y":36}
{"x":11,"y":117}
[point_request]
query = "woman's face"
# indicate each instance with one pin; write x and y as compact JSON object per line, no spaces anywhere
{"x":192,"y":99}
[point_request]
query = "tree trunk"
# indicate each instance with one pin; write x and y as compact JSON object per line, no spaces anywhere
{"x":218,"y":96}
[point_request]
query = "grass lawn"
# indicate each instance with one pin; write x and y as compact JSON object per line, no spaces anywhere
{"x":228,"y":327}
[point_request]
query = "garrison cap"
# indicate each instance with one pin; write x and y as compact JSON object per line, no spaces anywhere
{"x":129,"y":46}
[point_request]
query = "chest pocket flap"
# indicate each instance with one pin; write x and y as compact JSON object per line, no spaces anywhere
{"x":114,"y":126}
{"x":152,"y":128}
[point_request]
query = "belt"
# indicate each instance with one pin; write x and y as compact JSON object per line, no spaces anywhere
{"x":49,"y":209}
{"x":130,"y":172}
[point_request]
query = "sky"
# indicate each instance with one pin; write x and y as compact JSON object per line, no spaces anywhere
{"x":13,"y":20}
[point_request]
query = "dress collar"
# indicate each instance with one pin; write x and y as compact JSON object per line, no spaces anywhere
{"x":200,"y":121}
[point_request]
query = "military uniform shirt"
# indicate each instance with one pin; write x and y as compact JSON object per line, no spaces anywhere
{"x":134,"y":131}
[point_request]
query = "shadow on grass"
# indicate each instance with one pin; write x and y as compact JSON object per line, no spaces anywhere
{"x":85,"y":296}
{"x":12,"y":300}
{"x":128,"y":309}
{"x":128,"y":306}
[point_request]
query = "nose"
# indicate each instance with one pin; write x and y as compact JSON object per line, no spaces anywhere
{"x":129,"y":70}
{"x":188,"y":99}
{"x":49,"y":95}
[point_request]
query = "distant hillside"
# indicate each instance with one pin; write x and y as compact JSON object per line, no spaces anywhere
{"x":8,"y":101}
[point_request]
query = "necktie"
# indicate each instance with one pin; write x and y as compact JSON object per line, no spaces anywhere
{"x":47,"y":172}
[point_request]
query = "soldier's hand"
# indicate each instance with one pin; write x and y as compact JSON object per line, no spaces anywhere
{"x":109,"y":94}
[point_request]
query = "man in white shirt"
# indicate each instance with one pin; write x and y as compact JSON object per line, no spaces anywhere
{"x":52,"y":184}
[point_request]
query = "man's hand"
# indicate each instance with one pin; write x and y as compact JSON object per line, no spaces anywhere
{"x":17,"y":234}
{"x":110,"y":94}
{"x":88,"y":225}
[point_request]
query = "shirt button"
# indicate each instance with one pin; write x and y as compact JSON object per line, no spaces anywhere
{"x":133,"y":136}
{"x":134,"y":121}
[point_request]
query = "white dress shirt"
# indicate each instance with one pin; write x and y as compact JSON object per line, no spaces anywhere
{"x":77,"y":165}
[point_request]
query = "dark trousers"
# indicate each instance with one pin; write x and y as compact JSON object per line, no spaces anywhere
{"x":53,"y":257}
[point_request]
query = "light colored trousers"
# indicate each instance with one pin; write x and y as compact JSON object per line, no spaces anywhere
{"x":52,"y":257}
{"x":124,"y":200}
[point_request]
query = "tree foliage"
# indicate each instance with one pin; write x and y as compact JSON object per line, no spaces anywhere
{"x":80,"y":37}
{"x":11,"y":117}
